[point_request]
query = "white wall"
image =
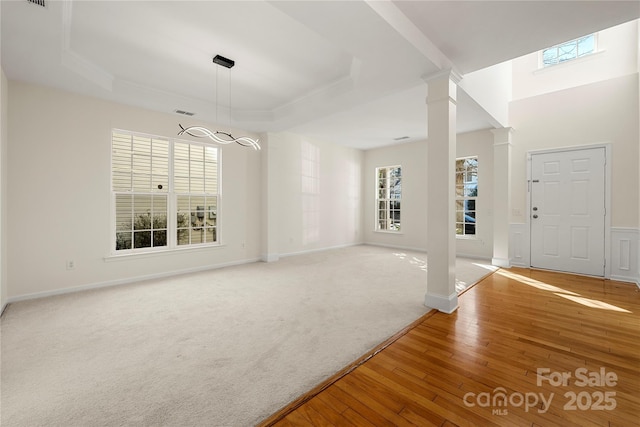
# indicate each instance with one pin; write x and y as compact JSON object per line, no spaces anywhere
{"x":591,"y":100}
{"x":3,"y":184}
{"x":479,"y":144}
{"x":413,"y":159}
{"x":616,"y":57}
{"x":59,"y":195}
{"x":59,"y":202}
{"x":491,"y":88}
{"x":3,"y":190}
{"x":603,"y":112}
{"x":317,"y":199}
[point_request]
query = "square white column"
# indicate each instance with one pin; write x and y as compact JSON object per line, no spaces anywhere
{"x":441,"y":160}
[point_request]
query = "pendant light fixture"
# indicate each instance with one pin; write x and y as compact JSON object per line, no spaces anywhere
{"x":217,"y":136}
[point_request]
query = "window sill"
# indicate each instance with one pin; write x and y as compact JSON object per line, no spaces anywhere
{"x":152,"y":254}
{"x":467,"y":237}
{"x":387,"y":232}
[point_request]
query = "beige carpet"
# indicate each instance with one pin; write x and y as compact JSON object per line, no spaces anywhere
{"x":226,"y":347}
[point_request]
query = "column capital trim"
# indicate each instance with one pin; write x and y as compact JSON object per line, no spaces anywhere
{"x":502,"y":136}
{"x":498,"y":131}
{"x":452,"y":74}
{"x":500,"y":144}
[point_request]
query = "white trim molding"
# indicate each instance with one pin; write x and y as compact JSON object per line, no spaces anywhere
{"x":442,"y":303}
{"x":127,"y":280}
{"x":519,"y":247}
{"x":625,"y":244}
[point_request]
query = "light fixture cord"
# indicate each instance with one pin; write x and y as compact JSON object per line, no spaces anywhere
{"x":217,"y":93}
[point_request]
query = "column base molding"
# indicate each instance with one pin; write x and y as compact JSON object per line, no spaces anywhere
{"x":500,"y":262}
{"x":442,"y":303}
{"x":270,"y":258}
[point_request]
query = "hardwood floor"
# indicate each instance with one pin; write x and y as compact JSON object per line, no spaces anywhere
{"x":525,"y":348}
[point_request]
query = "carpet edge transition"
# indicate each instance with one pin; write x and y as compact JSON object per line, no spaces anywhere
{"x":295,"y":404}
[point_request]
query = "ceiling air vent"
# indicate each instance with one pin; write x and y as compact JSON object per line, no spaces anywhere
{"x":37,"y":2}
{"x":184,"y":113}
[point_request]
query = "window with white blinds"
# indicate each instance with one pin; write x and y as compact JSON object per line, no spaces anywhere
{"x":165,"y":192}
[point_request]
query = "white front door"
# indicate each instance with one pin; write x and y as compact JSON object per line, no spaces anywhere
{"x":568,"y":211}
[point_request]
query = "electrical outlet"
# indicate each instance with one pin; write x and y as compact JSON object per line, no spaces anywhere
{"x":71,"y":264}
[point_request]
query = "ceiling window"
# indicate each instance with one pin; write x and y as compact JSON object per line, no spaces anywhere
{"x":569,"y":51}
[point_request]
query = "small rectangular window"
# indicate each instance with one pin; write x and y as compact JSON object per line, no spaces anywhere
{"x":568,"y":51}
{"x":466,"y":195}
{"x":388,"y":198}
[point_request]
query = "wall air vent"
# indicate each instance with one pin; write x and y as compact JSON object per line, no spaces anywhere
{"x":37,"y":2}
{"x":184,"y":113}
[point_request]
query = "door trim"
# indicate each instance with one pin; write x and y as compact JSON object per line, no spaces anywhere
{"x":607,"y":197}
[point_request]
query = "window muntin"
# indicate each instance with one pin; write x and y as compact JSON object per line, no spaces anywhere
{"x":388,"y":198}
{"x":568,"y":51}
{"x":196,"y":183}
{"x":466,"y":195}
{"x":146,"y":193}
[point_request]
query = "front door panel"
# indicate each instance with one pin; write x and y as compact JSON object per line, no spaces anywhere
{"x":568,"y":211}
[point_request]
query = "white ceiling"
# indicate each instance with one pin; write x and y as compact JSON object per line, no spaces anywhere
{"x":347,"y":71}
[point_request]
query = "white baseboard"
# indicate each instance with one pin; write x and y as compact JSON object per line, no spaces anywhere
{"x":625,"y":280}
{"x":125,"y":281}
{"x":405,"y":248}
{"x":310,"y":251}
{"x":270,"y":258}
{"x":470,"y":256}
{"x":500,"y":262}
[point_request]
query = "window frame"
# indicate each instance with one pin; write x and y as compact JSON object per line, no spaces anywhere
{"x":465,"y":198}
{"x":387,"y":200}
{"x":543,"y":65}
{"x":171,"y":195}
